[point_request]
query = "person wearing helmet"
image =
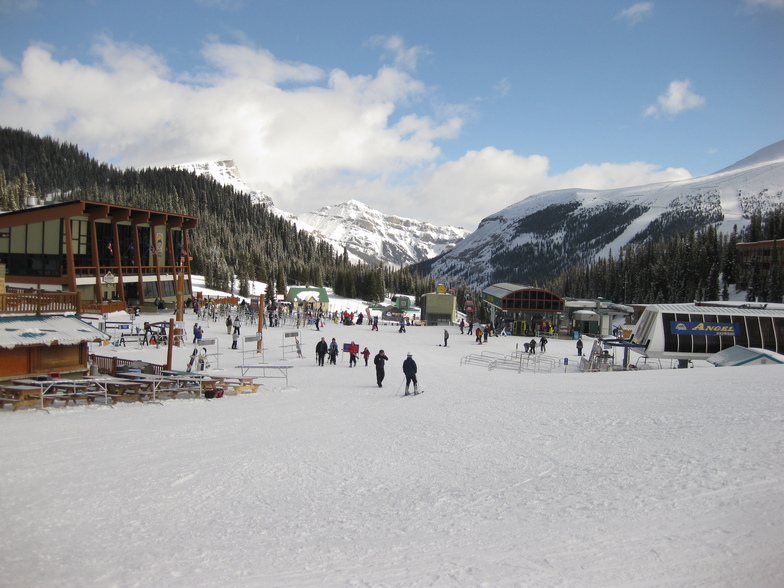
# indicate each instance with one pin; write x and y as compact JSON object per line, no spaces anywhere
{"x":410,"y":370}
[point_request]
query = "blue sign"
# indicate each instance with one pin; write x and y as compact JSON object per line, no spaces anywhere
{"x":702,"y":328}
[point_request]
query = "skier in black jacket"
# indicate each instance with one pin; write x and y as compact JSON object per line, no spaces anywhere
{"x":321,"y":351}
{"x":410,"y":369}
{"x":379,"y":360}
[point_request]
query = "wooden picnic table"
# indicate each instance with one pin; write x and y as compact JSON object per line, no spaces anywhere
{"x":119,"y":389}
{"x":240,"y":384}
{"x":21,"y":395}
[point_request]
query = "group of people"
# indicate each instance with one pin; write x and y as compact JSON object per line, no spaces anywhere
{"x":379,"y":361}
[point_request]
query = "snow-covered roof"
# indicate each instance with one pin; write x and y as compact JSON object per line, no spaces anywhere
{"x":739,"y":355}
{"x":749,"y":308}
{"x":46,"y":330}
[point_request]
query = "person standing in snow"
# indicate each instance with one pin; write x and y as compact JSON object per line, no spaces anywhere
{"x":353,"y":351}
{"x":479,"y":335}
{"x":580,"y":346}
{"x":321,"y":351}
{"x":543,"y":344}
{"x":333,"y":352}
{"x":228,"y":325}
{"x":410,"y":370}
{"x":366,"y":355}
{"x":379,"y":360}
{"x":462,"y":326}
{"x":446,"y":337}
{"x":237,"y":324}
{"x":532,"y":347}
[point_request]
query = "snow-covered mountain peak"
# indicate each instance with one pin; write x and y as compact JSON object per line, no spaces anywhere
{"x":367,"y":234}
{"x":226,"y":174}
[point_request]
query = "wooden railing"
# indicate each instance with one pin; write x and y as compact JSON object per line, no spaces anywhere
{"x":39,"y":302}
{"x":109,"y":365}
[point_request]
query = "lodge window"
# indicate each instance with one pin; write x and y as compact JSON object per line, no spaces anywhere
{"x":32,"y":249}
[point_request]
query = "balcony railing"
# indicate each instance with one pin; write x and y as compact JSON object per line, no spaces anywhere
{"x":39,"y":302}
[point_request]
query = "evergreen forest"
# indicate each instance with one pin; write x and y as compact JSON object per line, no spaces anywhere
{"x":237,"y":241}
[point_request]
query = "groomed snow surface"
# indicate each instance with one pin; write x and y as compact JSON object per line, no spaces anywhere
{"x":489,"y":478}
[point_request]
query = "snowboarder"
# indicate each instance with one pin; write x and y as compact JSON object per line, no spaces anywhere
{"x":379,"y":360}
{"x":321,"y":351}
{"x":410,"y":370}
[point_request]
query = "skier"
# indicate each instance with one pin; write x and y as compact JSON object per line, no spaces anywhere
{"x":379,"y":360}
{"x":410,"y":370}
{"x":402,"y":325}
{"x":321,"y":351}
{"x":353,"y":351}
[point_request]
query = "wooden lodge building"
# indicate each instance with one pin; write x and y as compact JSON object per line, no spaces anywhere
{"x":103,"y":252}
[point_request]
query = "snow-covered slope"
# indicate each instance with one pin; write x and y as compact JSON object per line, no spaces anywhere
{"x":227,"y":174}
{"x":372,"y":235}
{"x":367,"y":234}
{"x":551,"y":231}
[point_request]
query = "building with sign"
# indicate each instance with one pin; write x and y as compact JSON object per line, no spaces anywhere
{"x":308,"y":298}
{"x":100,"y":251}
{"x":685,"y":332}
{"x":524,"y":309}
{"x":439,"y":307}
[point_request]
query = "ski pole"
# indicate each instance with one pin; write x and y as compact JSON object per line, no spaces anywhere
{"x":401,"y":385}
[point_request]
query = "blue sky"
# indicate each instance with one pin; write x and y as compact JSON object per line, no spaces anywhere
{"x":440,"y":110}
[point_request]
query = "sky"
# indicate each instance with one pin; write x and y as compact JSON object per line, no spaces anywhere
{"x":445,"y":111}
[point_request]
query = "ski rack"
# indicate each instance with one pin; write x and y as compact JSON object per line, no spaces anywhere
{"x":296,"y":345}
{"x":254,"y":352}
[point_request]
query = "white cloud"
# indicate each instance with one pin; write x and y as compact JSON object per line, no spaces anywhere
{"x":305,"y":136}
{"x":636,"y":13}
{"x":503,"y":87}
{"x":678,"y":98}
{"x":18,"y":5}
{"x":774,"y":4}
{"x":402,"y":56}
